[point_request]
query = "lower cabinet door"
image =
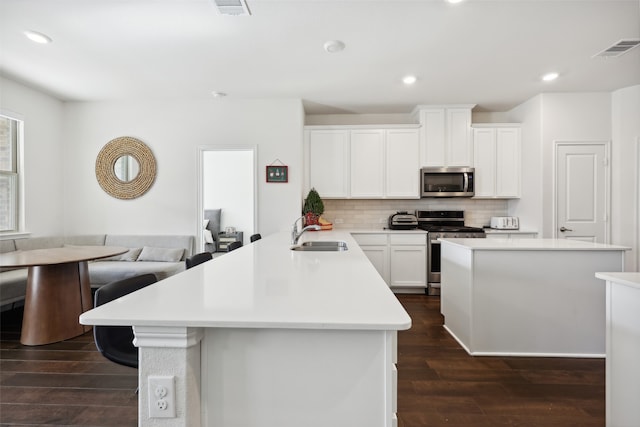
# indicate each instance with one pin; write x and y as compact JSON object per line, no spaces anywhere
{"x":408,"y":266}
{"x":379,"y":257}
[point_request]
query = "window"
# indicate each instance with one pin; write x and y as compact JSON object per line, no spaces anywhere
{"x":10,"y":143}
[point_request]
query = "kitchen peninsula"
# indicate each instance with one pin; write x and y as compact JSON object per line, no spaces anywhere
{"x":269,"y":336}
{"x":527,"y":297}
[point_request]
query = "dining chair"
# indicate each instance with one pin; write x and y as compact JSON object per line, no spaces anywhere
{"x":233,"y":246}
{"x":255,"y":237}
{"x":116,"y":342}
{"x":196,"y":259}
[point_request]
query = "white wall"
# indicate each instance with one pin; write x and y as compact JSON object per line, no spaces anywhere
{"x":625,"y":154}
{"x":44,"y":162}
{"x":547,"y":118}
{"x":173,"y":131}
{"x":569,"y":117}
{"x":529,"y":208}
{"x":582,"y":117}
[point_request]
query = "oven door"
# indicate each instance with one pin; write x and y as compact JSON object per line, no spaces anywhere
{"x":433,"y":272}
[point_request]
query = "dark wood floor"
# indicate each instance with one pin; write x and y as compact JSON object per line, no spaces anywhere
{"x":439,"y":384}
{"x":70,"y":384}
{"x":67,"y":383}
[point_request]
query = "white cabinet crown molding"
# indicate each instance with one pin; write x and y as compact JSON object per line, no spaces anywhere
{"x":417,"y":108}
{"x":495,"y":125}
{"x":368,"y":126}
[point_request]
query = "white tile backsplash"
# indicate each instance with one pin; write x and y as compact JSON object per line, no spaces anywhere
{"x":373,"y":214}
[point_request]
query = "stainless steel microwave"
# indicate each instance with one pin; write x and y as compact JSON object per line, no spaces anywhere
{"x":447,"y":182}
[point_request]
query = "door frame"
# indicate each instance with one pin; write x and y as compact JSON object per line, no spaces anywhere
{"x":607,"y":185}
{"x":200,"y":186}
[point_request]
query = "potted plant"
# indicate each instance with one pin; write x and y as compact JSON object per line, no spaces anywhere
{"x":312,"y":208}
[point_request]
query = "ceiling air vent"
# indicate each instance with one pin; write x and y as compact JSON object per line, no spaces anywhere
{"x":619,"y":48}
{"x":232,"y":7}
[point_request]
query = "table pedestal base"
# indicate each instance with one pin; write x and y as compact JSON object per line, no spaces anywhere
{"x":57,"y":295}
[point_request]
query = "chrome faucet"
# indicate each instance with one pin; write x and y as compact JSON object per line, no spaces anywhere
{"x":295,"y":235}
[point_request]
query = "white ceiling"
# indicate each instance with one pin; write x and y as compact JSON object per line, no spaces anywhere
{"x":490,"y":53}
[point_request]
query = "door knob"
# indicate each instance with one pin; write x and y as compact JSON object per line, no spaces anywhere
{"x":563,"y":229}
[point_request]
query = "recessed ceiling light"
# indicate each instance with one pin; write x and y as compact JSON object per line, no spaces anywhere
{"x":218,"y":94}
{"x":455,"y":1}
{"x":37,"y":37}
{"x":409,"y":80}
{"x":550,"y":77}
{"x":334,"y":46}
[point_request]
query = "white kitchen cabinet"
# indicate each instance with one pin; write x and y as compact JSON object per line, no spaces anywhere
{"x":497,"y":161}
{"x":408,"y":261}
{"x":376,"y":247}
{"x":328,"y":162}
{"x":366,"y":162}
{"x":402,"y":164}
{"x":400,"y":258}
{"x":445,"y":138}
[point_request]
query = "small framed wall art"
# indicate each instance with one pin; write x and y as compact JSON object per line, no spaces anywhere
{"x":277,"y":173}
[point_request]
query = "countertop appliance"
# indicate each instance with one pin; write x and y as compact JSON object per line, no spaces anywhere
{"x":505,"y":222}
{"x":445,"y":224}
{"x":403,"y":220}
{"x":447,"y":182}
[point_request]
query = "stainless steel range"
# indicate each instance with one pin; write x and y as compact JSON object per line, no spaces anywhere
{"x":445,"y":224}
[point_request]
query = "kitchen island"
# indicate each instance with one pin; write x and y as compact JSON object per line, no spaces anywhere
{"x":266,"y":336}
{"x":527,"y":297}
{"x":623,"y":348}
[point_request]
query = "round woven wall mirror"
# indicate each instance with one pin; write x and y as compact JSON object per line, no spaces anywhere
{"x":125,"y":168}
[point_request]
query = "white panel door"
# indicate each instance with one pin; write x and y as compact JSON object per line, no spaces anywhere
{"x":403,"y":164}
{"x":367,"y":163}
{"x":328,"y":162}
{"x":582,"y":178}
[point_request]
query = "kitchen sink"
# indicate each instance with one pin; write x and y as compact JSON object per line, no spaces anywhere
{"x":321,"y":245}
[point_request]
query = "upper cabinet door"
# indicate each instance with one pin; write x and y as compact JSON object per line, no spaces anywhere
{"x":445,"y":138}
{"x":484,"y":149}
{"x":508,"y":162}
{"x":403,"y":164}
{"x":328,"y":160}
{"x":433,"y":136}
{"x":458,"y":142}
{"x":367,"y":163}
{"x":497,"y":161}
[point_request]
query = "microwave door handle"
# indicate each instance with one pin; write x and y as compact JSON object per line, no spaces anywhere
{"x":466,"y":182}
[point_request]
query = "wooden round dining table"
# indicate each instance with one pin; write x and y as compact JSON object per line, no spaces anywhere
{"x":58,"y":290}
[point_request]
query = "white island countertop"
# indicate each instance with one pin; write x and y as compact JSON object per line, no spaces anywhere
{"x":631,"y":278}
{"x":266,"y":285}
{"x":532,"y":245}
